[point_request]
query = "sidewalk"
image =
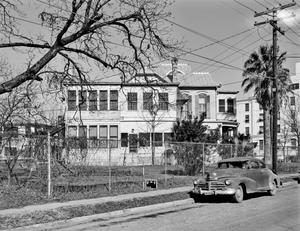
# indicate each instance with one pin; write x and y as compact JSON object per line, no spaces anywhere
{"x":101,"y":200}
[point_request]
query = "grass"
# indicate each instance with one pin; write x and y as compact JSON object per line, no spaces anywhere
{"x":92,"y":181}
{"x":8,"y":222}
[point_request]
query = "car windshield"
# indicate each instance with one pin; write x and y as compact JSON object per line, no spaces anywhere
{"x":234,"y":164}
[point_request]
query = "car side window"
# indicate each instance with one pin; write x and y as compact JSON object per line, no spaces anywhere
{"x":254,"y":165}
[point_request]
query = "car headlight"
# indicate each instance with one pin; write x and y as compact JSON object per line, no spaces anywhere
{"x":227,"y":182}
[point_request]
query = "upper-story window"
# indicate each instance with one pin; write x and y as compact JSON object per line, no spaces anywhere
{"x":261,"y":117}
{"x":221,"y":105}
{"x":82,"y":100}
{"x":103,"y":100}
{"x":163,"y":99}
{"x":246,"y":106}
{"x":114,"y":100}
{"x":147,"y":101}
{"x":230,"y":105}
{"x":261,"y":130}
{"x":132,"y":100}
{"x":93,"y":100}
{"x":204,"y":105}
{"x":247,"y":130}
{"x":247,"y":119}
{"x":71,"y":100}
{"x":260,"y":107}
{"x":294,"y":86}
{"x":292,"y":100}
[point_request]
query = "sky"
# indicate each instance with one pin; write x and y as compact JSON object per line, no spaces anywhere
{"x":202,"y":22}
{"x":218,"y":19}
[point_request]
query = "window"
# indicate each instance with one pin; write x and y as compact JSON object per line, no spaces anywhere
{"x":293,"y":114}
{"x":72,"y":131}
{"x":260,"y":117}
{"x":93,"y":142}
{"x":124,"y":139}
{"x":261,"y":145}
{"x":103,"y":100}
{"x":103,"y":136}
{"x":93,"y":132}
{"x":82,"y":100}
{"x":293,"y":143}
{"x":203,"y":105}
{"x":144,"y":139}
{"x":292,"y":100}
{"x":278,"y":115}
{"x":113,"y":100}
{"x":230,"y":105}
{"x":278,"y":128}
{"x":71,"y":100}
{"x":294,"y":86}
{"x":133,"y":140}
{"x":147,"y":101}
{"x":113,"y":136}
{"x":157,"y":139}
{"x":247,"y":130}
{"x":92,"y":100}
{"x":260,"y":107}
{"x":261,"y":130}
{"x":132,"y":100}
{"x":247,"y":119}
{"x":253,"y":164}
{"x":82,"y":141}
{"x":246,"y":106}
{"x":221,"y":105}
{"x":163,"y":99}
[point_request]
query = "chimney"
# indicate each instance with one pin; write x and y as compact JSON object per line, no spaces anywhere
{"x":174,"y":63}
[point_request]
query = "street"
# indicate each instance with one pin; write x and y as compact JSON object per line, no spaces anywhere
{"x":260,"y":212}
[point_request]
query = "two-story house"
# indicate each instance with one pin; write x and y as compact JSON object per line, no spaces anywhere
{"x":138,"y":116}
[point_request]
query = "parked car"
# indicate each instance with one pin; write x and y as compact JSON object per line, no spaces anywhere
{"x":237,"y":177}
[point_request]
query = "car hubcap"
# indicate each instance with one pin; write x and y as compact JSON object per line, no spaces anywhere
{"x":239,"y":193}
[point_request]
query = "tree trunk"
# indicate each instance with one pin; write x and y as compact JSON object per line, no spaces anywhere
{"x":153,"y":145}
{"x":267,"y":137}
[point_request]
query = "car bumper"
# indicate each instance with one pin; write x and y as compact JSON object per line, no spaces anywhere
{"x":228,"y":191}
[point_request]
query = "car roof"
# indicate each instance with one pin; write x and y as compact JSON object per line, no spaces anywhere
{"x":238,"y":159}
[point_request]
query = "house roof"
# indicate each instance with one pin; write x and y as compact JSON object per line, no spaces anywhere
{"x":197,"y":79}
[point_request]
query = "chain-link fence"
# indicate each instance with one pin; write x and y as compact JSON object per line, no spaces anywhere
{"x":77,"y":168}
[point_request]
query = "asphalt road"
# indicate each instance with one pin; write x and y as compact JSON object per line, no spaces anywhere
{"x":260,"y":212}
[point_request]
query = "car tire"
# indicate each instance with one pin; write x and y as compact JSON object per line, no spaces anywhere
{"x":238,"y":197}
{"x":273,"y":189}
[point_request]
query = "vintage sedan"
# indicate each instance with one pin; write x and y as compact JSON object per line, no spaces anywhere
{"x":237,"y":177}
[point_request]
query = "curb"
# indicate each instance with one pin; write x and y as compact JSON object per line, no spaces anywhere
{"x":100,"y":200}
{"x":103,"y":216}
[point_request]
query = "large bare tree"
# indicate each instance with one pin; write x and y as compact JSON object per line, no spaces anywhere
{"x":121,"y":35}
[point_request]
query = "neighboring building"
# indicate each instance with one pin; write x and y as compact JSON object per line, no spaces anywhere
{"x":250,"y":119}
{"x":143,"y":109}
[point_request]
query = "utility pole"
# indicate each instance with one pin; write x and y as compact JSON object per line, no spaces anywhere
{"x":273,"y":23}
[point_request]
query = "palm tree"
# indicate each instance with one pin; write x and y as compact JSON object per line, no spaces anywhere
{"x":258,"y":74}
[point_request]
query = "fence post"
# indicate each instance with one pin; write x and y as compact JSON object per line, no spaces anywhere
{"x":49,"y":164}
{"x":165,"y":164}
{"x":144,"y":186}
{"x":203,"y":159}
{"x":109,"y":165}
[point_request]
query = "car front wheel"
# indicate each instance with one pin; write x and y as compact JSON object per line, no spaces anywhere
{"x":273,"y":189}
{"x":239,"y":195}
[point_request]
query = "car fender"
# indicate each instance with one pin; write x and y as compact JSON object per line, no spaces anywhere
{"x":249,"y":184}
